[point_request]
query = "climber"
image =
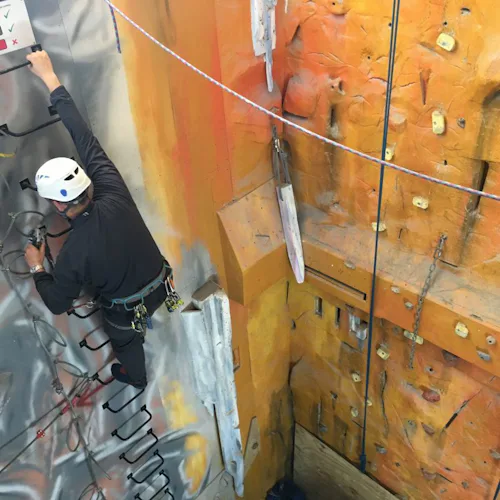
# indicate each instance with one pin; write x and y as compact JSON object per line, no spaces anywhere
{"x":109,"y":247}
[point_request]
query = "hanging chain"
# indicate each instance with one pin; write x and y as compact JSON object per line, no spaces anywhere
{"x":428,"y":281}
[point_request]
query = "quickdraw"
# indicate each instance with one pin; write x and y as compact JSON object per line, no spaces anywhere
{"x":173,"y":300}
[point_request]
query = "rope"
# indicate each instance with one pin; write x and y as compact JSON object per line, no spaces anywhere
{"x":390,"y":76}
{"x":298,"y":127}
{"x":53,"y":362}
{"x":117,"y":33}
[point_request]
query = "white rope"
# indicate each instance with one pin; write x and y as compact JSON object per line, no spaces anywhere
{"x":298,"y":127}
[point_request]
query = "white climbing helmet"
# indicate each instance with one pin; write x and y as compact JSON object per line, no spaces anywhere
{"x":61,"y":179}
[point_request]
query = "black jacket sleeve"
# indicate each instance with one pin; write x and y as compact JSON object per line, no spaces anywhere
{"x":101,"y":170}
{"x":58,"y":291}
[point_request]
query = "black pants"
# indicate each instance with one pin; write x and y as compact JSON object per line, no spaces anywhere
{"x":126,"y":342}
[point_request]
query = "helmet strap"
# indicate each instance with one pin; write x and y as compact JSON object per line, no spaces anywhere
{"x":64,"y":213}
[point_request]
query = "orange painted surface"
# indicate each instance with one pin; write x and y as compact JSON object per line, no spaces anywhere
{"x":206,"y":162}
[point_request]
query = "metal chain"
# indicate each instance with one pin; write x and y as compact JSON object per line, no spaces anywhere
{"x":427,"y":284}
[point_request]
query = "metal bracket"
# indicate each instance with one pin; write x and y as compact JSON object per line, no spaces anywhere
{"x":166,"y":492}
{"x":161,"y":473}
{"x":106,"y":404}
{"x":26,"y":184}
{"x":83,"y":343}
{"x":4,"y":129}
{"x":95,"y":377}
{"x":150,"y":416}
{"x":162,"y":461}
{"x":34,"y":48}
{"x":132,"y":462}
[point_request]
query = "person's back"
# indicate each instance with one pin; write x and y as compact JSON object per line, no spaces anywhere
{"x":109,"y":248}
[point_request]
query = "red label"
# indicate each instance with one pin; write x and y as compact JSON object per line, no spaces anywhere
{"x":3,"y":44}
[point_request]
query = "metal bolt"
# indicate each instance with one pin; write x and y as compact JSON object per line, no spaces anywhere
{"x":349,"y":264}
{"x":354,"y":412}
{"x":395,"y":289}
{"x":491,"y":340}
{"x":408,"y":305}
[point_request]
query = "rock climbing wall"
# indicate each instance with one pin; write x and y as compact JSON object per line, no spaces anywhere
{"x":204,"y":154}
{"x":430,"y":428}
{"x":199,"y":165}
{"x":431,"y":431}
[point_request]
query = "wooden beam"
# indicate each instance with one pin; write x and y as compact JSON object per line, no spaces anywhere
{"x":324,"y":475}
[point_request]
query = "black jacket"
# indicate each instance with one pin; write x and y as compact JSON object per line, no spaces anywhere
{"x":110,"y":248}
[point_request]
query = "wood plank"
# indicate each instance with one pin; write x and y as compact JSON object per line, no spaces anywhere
{"x":323,"y":474}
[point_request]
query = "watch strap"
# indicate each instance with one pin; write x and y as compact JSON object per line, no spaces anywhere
{"x":36,"y":268}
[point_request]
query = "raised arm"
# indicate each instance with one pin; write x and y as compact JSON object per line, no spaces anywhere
{"x":99,"y":167}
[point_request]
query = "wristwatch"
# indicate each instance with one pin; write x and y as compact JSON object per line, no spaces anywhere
{"x":36,"y":268}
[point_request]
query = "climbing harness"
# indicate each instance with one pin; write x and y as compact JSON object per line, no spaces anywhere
{"x":141,"y":294}
{"x":390,"y":76}
{"x":141,"y":320}
{"x":427,"y":284}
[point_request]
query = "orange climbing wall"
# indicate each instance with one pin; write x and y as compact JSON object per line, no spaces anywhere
{"x":416,"y":446}
{"x":201,"y":150}
{"x":335,"y":84}
{"x":206,"y":161}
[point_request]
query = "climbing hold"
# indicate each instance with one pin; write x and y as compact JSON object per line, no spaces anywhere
{"x":431,"y":395}
{"x":491,"y":340}
{"x":369,"y":402}
{"x":389,"y":152}
{"x":40,"y":434}
{"x":483,"y":355}
{"x":354,"y":412}
{"x":421,"y":202}
{"x":408,"y":305}
{"x":438,"y":122}
{"x":381,"y":227}
{"x":428,"y":475}
{"x":380,"y":449}
{"x":356,"y":377}
{"x":417,"y":338}
{"x":349,"y":264}
{"x":446,"y":42}
{"x":383,"y":353}
{"x":461,"y":122}
{"x":495,"y":454}
{"x":395,"y":289}
{"x":428,"y":429}
{"x":461,"y":330}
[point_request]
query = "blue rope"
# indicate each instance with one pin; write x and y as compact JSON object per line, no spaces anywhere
{"x":117,"y":34}
{"x":390,"y":76}
{"x":497,"y":492}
